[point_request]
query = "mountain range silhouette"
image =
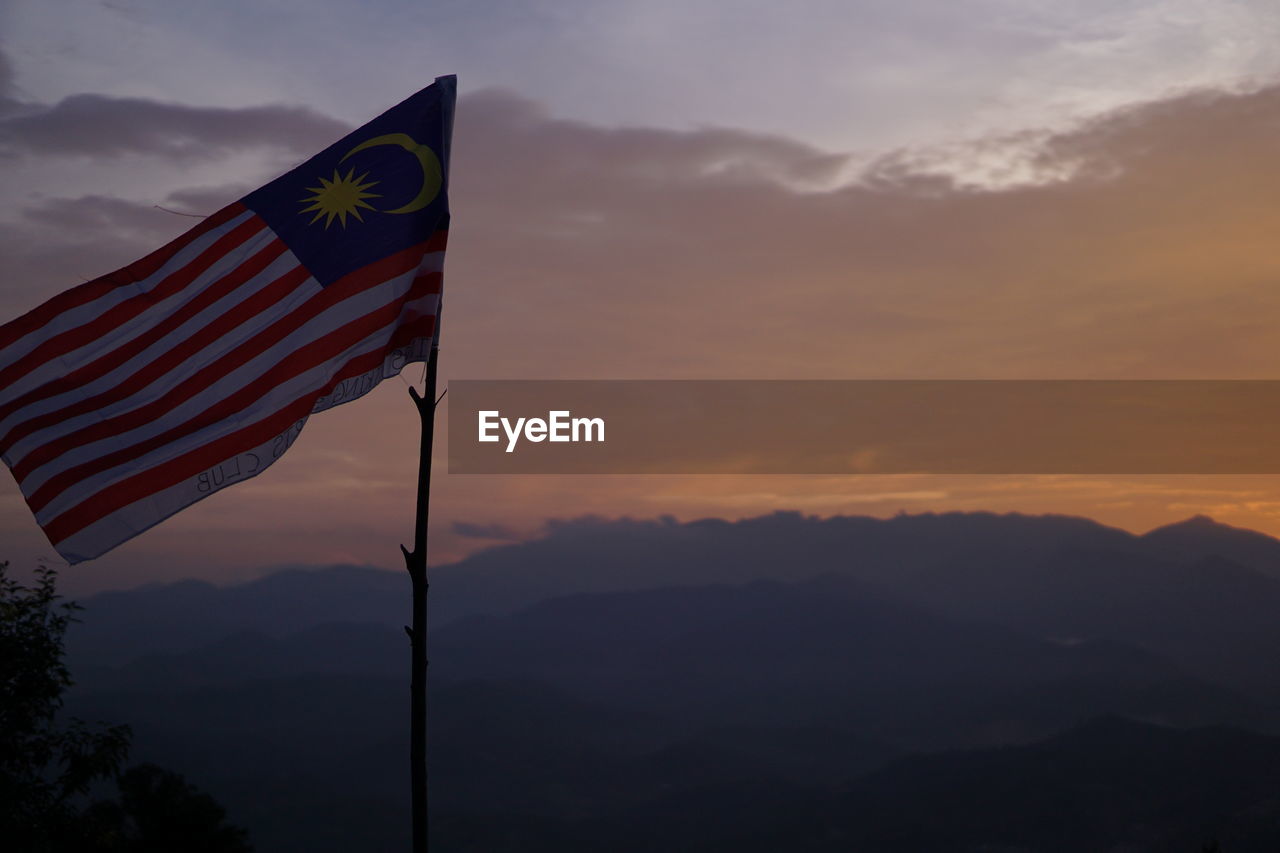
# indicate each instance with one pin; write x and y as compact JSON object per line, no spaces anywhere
{"x":951,"y":681}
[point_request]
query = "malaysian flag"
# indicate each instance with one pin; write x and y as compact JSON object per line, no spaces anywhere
{"x":130,"y":397}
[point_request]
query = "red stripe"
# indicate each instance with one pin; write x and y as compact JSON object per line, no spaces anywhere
{"x":437,"y":241}
{"x":120,"y":314}
{"x":131,"y":274}
{"x":97,"y":369}
{"x":431,"y":282}
{"x":192,"y":463}
{"x":358,"y":281}
{"x":306,"y":358}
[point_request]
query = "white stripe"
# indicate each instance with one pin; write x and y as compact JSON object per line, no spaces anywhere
{"x":86,"y":313}
{"x":432,"y":262}
{"x":158,"y":351}
{"x":96,"y":347}
{"x":245,"y":376}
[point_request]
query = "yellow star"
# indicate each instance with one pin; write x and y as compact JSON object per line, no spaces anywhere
{"x":343,"y":195}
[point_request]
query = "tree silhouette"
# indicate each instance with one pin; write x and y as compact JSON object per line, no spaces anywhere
{"x":158,"y":812}
{"x":49,"y":767}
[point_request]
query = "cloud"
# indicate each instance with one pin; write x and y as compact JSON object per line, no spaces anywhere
{"x":497,"y":125}
{"x":593,"y":252}
{"x":578,"y":248}
{"x":101,"y":126}
{"x":9,"y":102}
{"x":493,"y":532}
{"x":100,"y":215}
{"x":206,"y":200}
{"x":6,"y":75}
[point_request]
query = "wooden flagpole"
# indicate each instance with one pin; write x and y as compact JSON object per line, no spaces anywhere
{"x":416,"y":563}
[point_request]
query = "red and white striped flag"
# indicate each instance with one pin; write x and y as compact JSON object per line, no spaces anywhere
{"x":132,"y":396}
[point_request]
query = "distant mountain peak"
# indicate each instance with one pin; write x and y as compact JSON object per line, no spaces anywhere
{"x":1199,"y":521}
{"x":1201,"y":524}
{"x":1201,"y":538}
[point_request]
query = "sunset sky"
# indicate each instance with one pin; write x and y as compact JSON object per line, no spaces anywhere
{"x":720,"y":190}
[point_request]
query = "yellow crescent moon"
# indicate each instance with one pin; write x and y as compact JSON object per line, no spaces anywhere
{"x":431,"y":172}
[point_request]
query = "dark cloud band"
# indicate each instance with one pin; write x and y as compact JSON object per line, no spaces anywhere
{"x":102,"y":126}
